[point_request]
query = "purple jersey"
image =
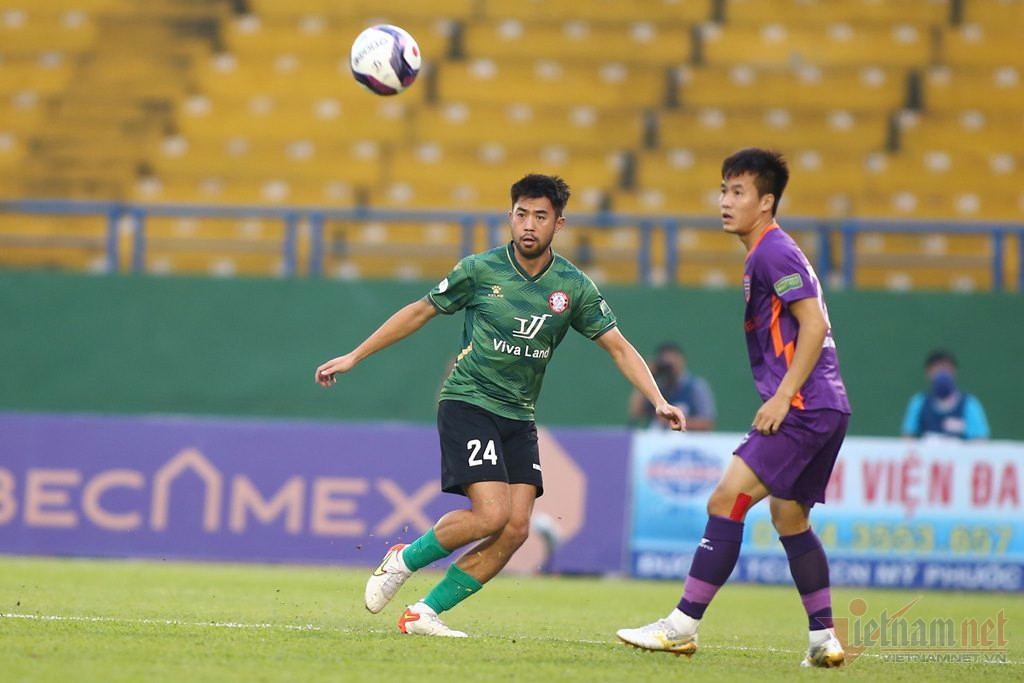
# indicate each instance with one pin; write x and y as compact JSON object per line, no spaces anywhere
{"x":776,"y":274}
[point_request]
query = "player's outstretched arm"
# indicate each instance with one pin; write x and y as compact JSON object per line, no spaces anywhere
{"x":809,"y":340}
{"x":633,"y":367}
{"x":399,"y":326}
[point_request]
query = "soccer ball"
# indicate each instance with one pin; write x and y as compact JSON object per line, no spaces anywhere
{"x":385,"y":59}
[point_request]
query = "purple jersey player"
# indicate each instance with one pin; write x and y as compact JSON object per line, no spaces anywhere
{"x":788,"y":455}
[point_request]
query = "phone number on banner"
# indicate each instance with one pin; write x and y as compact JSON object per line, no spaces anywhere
{"x":919,"y":537}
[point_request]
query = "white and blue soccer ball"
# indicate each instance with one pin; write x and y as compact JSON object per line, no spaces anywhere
{"x":385,"y":59}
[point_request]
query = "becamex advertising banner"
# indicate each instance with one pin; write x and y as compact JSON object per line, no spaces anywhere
{"x":246,"y":490}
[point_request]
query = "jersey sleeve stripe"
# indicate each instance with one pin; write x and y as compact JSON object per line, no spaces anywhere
{"x":439,"y":307}
{"x":605,"y":329}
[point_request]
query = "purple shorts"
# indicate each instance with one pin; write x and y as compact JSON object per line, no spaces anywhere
{"x":796,"y":462}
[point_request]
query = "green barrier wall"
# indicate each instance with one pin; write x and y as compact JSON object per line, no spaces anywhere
{"x":249,"y":347}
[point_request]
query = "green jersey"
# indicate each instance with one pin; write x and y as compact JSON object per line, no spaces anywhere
{"x":513,"y":324}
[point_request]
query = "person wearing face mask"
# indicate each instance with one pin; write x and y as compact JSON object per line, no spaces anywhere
{"x":944,"y":409}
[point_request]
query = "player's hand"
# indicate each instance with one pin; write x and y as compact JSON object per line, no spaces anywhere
{"x":325,"y":373}
{"x":771,"y":414}
{"x":673,"y":415}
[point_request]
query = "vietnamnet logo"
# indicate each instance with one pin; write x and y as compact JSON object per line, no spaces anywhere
{"x":682,"y":473}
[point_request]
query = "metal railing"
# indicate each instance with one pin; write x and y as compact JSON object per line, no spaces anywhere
{"x":669,"y":226}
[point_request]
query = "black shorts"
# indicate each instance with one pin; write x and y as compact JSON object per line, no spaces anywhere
{"x":477,"y":445}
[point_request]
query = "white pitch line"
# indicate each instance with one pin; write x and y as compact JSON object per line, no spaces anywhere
{"x":312,"y":627}
{"x":158,"y":622}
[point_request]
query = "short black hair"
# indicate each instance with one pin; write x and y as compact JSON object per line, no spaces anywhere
{"x":670,"y":347}
{"x":537,"y":185}
{"x":770,"y":171}
{"x":940,"y":356}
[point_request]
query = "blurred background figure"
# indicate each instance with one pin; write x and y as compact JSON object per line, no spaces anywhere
{"x":690,"y":393}
{"x":944,"y":409}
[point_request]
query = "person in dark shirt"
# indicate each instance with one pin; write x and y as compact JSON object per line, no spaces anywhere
{"x":944,"y":409}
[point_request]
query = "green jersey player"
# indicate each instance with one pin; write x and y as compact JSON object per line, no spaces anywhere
{"x":520,"y":301}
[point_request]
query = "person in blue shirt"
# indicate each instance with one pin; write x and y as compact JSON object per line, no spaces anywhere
{"x":944,"y":409}
{"x":689,"y":393}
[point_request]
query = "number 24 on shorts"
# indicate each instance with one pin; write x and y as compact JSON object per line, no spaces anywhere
{"x":476,"y":458}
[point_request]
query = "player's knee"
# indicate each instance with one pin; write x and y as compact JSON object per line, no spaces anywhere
{"x":727,"y":503}
{"x":492,"y":519}
{"x":517,"y":531}
{"x":789,"y":524}
{"x":720,"y":502}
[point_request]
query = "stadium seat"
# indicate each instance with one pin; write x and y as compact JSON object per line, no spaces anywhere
{"x":994,"y":13}
{"x":997,"y":88}
{"x":883,"y":109}
{"x":783,"y":128}
{"x":974,"y":45}
{"x":53,"y":242}
{"x":518,"y":124}
{"x":606,"y":85}
{"x":610,"y":11}
{"x":326,"y":37}
{"x":580,"y":41}
{"x":395,"y":11}
{"x":856,"y":12}
{"x":999,"y":135}
{"x":841,"y":87}
{"x":840,"y":44}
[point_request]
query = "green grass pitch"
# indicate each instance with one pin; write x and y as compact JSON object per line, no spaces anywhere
{"x":110,"y":620}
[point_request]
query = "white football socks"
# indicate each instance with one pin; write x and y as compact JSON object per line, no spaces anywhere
{"x":683,"y":623}
{"x":422,"y":608}
{"x":819,"y":636}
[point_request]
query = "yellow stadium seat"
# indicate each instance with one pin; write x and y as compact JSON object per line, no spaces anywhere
{"x":299,"y":158}
{"x":283,"y":75}
{"x":865,"y":12}
{"x":997,"y":89}
{"x":395,"y":11}
{"x":519,"y":124}
{"x":53,"y":242}
{"x":471,"y":177}
{"x":780,"y":128}
{"x":323,"y":117}
{"x":973,"y":45}
{"x":843,"y":44}
{"x":33,"y":78}
{"x":543,"y":81}
{"x":1000,"y":134}
{"x":994,"y":13}
{"x":855,"y":89}
{"x":44,"y":30}
{"x":667,"y":11}
{"x":584,"y":41}
{"x":326,"y":37}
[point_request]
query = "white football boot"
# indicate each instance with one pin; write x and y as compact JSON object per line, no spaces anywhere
{"x":426,"y":624}
{"x":827,"y":655}
{"x":661,"y":636}
{"x":386,"y":579}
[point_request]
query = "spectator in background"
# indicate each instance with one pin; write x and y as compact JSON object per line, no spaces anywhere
{"x":689,"y":393}
{"x":944,"y":409}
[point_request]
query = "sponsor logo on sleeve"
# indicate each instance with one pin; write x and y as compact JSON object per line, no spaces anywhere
{"x":442,"y":286}
{"x":785,"y":284}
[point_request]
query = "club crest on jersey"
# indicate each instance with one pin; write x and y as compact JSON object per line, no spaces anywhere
{"x":558,"y":302}
{"x":746,"y":288}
